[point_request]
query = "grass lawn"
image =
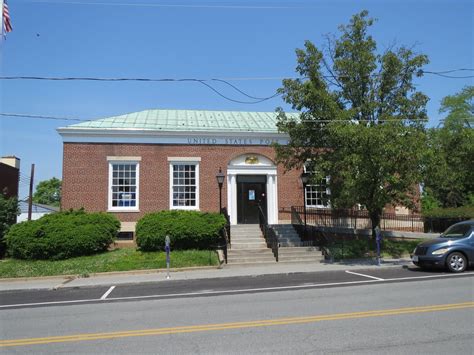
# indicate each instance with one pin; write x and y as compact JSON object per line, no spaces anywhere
{"x":399,"y":248}
{"x":356,"y":249}
{"x":115,"y":260}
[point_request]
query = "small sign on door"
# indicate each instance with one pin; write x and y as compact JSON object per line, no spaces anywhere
{"x":251,"y":195}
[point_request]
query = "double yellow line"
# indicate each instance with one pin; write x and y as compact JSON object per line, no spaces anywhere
{"x":236,"y":325}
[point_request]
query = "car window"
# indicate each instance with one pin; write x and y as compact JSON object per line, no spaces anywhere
{"x":457,"y":231}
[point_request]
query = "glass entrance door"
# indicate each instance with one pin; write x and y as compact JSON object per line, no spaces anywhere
{"x":251,"y":192}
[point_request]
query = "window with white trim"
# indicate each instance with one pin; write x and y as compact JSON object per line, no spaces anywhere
{"x":317,"y":192}
{"x":184,"y":185}
{"x":123,"y":185}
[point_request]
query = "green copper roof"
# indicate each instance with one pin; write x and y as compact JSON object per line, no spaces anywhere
{"x":187,"y":120}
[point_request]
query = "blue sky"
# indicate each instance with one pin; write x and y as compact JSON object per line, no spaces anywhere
{"x":191,"y":39}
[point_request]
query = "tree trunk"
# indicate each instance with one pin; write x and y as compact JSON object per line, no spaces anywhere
{"x":375,"y":221}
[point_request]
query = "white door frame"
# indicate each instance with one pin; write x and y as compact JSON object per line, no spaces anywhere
{"x":272,"y":191}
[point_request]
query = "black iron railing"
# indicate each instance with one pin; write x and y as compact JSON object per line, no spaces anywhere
{"x":358,"y":219}
{"x":227,"y":226}
{"x":225,"y":234}
{"x":440,"y":224}
{"x":268,"y":233}
{"x":338,"y":233}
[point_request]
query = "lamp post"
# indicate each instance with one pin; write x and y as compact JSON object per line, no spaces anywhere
{"x":220,"y":176}
{"x":304,"y":180}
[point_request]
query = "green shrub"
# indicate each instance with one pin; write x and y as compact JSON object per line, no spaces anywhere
{"x":349,"y":249}
{"x":465,"y":212}
{"x":186,"y":229}
{"x":62,"y":235}
{"x":8,"y":212}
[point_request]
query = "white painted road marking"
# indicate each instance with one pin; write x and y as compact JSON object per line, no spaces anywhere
{"x":104,"y":296}
{"x":364,"y":275}
{"x":237,"y":291}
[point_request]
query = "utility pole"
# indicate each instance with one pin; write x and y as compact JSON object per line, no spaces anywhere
{"x":30,"y":198}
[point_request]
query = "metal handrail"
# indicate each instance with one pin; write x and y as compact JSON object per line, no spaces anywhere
{"x":225,"y":235}
{"x":316,"y":236}
{"x":268,"y":233}
{"x":227,"y":226}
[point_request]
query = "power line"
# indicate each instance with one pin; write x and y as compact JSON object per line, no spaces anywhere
{"x":357,"y":121}
{"x":205,"y":83}
{"x":301,"y":121}
{"x":196,"y":6}
{"x":223,"y":80}
{"x":200,"y":81}
{"x":454,"y":70}
{"x":238,"y":101}
{"x":242,"y":92}
{"x":41,"y":117}
{"x":451,"y":76}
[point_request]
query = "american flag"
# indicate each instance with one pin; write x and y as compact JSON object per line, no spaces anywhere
{"x":7,"y":26}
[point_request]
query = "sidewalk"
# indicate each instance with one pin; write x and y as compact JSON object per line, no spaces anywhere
{"x":139,"y":276}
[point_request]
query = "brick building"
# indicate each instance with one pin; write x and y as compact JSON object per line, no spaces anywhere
{"x":9,"y":176}
{"x":155,"y":160}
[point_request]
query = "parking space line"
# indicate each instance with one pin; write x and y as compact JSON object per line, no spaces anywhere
{"x":238,"y":291}
{"x":364,"y":275}
{"x":104,"y":296}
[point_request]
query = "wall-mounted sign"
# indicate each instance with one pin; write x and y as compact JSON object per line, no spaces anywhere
{"x":236,"y":140}
{"x":251,"y":195}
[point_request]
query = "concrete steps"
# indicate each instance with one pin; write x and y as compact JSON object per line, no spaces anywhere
{"x":299,"y":254}
{"x":248,"y":246}
{"x":287,"y":235}
{"x":250,"y":256}
{"x":292,"y":249}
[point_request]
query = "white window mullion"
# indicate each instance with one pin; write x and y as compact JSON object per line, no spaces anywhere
{"x":184,"y":184}
{"x":317,"y":195}
{"x":124,"y":181}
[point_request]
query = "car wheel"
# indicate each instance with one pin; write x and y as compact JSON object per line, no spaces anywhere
{"x":456,"y":262}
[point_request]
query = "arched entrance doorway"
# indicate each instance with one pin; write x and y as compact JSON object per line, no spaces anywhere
{"x":252,"y":180}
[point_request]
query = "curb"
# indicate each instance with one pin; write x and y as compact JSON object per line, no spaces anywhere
{"x":110,"y":273}
{"x":69,"y":278}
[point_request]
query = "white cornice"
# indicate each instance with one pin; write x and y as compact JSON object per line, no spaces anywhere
{"x":74,"y":135}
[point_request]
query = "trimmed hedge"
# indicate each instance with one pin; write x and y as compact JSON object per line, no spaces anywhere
{"x":186,"y":229}
{"x":465,"y":212}
{"x":62,"y":235}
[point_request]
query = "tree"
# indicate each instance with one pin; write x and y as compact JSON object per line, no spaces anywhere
{"x":8,"y":212}
{"x":449,"y":175}
{"x":361,"y":119}
{"x":48,"y":192}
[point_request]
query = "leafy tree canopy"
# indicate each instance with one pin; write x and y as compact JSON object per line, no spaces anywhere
{"x":8,"y":212}
{"x":361,"y":118}
{"x":460,"y":108}
{"x":48,"y":192}
{"x":449,"y":175}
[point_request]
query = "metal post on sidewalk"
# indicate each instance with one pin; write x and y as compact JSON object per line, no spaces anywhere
{"x":167,"y":249}
{"x":378,"y":239}
{"x":304,"y":177}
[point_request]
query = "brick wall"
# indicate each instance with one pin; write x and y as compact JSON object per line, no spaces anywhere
{"x":86,"y":169}
{"x":9,"y":179}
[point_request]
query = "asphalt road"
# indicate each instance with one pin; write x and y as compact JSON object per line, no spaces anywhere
{"x":336,"y":312}
{"x":213,"y":286}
